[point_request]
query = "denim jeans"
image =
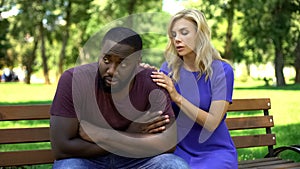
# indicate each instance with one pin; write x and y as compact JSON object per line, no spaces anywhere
{"x":164,"y":161}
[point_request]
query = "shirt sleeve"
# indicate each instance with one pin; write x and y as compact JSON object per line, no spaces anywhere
{"x":164,"y":68}
{"x":160,"y":100}
{"x":62,"y":104}
{"x":222,"y":81}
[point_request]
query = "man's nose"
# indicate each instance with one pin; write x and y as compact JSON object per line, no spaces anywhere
{"x":112,"y":69}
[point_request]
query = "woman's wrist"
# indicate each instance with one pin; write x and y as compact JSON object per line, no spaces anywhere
{"x":178,"y":99}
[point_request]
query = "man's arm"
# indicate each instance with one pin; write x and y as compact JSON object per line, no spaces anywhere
{"x":65,"y":140}
{"x":136,"y":145}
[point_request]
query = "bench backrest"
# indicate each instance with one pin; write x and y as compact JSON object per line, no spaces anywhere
{"x":41,"y":134}
{"x":17,"y":135}
{"x":255,"y":115}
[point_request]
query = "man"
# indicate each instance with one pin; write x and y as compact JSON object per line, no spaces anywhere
{"x":110,"y":114}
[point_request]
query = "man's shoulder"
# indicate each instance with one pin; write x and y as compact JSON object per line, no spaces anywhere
{"x":144,"y":71}
{"x":143,"y":77}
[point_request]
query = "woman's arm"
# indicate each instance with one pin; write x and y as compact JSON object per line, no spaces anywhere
{"x":209,"y":120}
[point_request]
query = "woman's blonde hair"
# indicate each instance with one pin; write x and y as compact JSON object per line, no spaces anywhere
{"x":205,"y":52}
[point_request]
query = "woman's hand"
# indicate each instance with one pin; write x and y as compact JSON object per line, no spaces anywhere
{"x":146,"y":66}
{"x":151,"y":122}
{"x":166,"y":82}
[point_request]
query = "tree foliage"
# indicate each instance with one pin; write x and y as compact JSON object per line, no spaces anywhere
{"x":52,"y":35}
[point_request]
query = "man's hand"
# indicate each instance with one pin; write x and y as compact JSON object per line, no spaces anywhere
{"x":82,"y":133}
{"x":151,"y":122}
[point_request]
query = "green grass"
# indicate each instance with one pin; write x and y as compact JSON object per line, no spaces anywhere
{"x":284,"y":107}
{"x":20,"y":93}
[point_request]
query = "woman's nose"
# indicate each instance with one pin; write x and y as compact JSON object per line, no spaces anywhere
{"x":177,"y":38}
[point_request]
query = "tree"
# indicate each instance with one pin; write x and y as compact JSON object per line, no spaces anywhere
{"x":6,"y":59}
{"x":297,"y":61}
{"x":266,"y":26}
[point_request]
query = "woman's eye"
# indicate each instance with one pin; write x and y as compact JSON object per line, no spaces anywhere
{"x":173,"y":34}
{"x":184,"y":32}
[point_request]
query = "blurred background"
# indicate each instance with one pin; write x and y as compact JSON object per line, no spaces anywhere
{"x":42,"y":38}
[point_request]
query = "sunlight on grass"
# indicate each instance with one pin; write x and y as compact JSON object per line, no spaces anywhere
{"x":284,"y":102}
{"x":20,"y":92}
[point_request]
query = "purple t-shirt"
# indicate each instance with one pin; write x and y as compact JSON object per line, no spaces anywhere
{"x":80,"y":95}
{"x":199,"y":147}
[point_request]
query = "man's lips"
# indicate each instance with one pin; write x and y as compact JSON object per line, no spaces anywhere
{"x":110,"y":81}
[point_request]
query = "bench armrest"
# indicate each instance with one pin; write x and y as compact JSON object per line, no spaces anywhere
{"x":277,"y":151}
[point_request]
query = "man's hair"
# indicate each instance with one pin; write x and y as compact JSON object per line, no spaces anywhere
{"x":124,"y":36}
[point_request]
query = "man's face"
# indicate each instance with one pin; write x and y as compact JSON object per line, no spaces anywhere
{"x":117,"y":64}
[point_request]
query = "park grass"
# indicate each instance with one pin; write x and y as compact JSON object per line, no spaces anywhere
{"x":21,"y":93}
{"x":284,"y":103}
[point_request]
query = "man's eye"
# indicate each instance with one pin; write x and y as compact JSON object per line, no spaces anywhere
{"x":123,"y":64}
{"x":105,"y":60}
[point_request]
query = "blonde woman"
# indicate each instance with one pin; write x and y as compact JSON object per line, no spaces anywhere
{"x":200,"y":84}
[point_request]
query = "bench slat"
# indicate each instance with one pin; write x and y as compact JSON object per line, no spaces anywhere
{"x":249,"y":104}
{"x":236,"y":123}
{"x":292,"y":165}
{"x":264,"y":164}
{"x":24,"y":135}
{"x":26,"y":157}
{"x":254,"y":140}
{"x":258,"y":160}
{"x":24,"y":112}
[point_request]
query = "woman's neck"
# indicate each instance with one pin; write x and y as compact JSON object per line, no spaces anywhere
{"x":189,"y":63}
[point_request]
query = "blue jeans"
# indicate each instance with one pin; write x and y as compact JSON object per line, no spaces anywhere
{"x":164,"y":161}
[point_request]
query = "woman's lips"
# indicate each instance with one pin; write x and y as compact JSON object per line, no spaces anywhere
{"x":179,"y":48}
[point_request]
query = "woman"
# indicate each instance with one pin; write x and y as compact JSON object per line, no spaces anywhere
{"x":201,"y":87}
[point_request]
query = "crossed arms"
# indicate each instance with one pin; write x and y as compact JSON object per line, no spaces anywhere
{"x":71,"y":138}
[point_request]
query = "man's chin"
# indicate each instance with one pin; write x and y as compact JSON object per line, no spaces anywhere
{"x":113,"y":89}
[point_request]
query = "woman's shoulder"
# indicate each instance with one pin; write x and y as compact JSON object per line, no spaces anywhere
{"x":164,"y":67}
{"x":221,"y":65}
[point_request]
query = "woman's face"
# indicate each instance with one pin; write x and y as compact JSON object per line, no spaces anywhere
{"x":183,"y":35}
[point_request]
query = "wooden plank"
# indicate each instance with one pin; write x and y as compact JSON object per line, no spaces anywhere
{"x":265,"y":164}
{"x":254,"y":140}
{"x":259,"y":160}
{"x":250,"y":104}
{"x":24,"y":135}
{"x":237,"y":123}
{"x":24,"y":112}
{"x":292,"y":165}
{"x":26,"y":158}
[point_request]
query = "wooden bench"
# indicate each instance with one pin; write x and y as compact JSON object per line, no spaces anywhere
{"x":256,"y":116}
{"x":44,"y":156}
{"x":27,"y":113}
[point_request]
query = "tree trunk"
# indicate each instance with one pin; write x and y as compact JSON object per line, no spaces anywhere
{"x":230,"y":17}
{"x":297,"y":61}
{"x":65,"y":40}
{"x":43,"y":53}
{"x":30,"y":62}
{"x":279,"y":64}
{"x":130,"y":10}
